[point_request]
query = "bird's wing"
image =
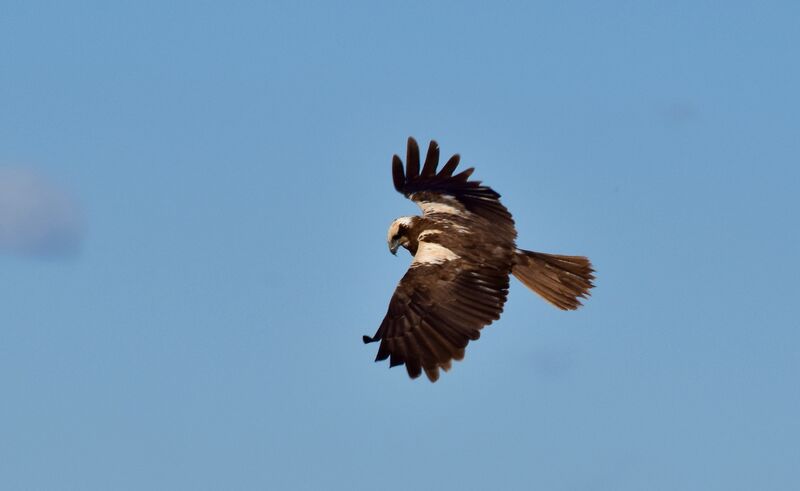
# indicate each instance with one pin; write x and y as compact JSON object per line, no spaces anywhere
{"x":442,"y":192}
{"x":458,"y":281}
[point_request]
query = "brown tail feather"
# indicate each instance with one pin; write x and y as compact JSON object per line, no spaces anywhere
{"x":561,"y":280}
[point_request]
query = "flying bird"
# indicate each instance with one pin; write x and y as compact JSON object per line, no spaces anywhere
{"x":464,"y":252}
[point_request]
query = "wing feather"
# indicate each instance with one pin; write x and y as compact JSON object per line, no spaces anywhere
{"x":398,"y":175}
{"x":450,"y":166}
{"x":398,"y":350}
{"x":431,"y":160}
{"x":454,"y":338}
{"x":432,"y":373}
{"x":440,"y":345}
{"x":426,"y":349}
{"x":415,"y":358}
{"x":464,"y":175}
{"x":412,"y":159}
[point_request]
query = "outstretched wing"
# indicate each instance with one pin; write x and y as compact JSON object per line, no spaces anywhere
{"x":444,"y":192}
{"x":458,"y":281}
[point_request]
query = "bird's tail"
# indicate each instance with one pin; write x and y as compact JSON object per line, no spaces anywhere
{"x":561,"y":280}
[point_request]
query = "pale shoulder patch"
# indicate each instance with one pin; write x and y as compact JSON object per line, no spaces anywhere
{"x":429,"y":207}
{"x":433,"y":253}
{"x":461,"y":229}
{"x":428,"y":233}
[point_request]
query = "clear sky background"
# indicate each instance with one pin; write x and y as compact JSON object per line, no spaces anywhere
{"x":194,"y":198}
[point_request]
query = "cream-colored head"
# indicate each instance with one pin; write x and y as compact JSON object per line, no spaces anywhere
{"x":397,"y":234}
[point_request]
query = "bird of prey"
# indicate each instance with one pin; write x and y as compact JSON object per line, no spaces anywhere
{"x":464,"y":252}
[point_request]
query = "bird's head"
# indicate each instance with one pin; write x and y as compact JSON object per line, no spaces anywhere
{"x":398,"y":234}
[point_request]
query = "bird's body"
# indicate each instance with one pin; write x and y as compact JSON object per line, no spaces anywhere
{"x":464,"y":253}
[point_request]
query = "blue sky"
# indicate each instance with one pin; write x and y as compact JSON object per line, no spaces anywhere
{"x":199,"y":244}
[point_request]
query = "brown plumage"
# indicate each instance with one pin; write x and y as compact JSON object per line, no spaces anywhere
{"x":561,"y":280}
{"x":464,"y":252}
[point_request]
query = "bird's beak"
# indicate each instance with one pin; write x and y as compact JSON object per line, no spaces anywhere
{"x":393,"y":246}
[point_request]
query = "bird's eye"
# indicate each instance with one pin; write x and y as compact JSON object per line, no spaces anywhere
{"x":396,"y":236}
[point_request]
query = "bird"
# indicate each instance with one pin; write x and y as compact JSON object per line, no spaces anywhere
{"x":464,"y":252}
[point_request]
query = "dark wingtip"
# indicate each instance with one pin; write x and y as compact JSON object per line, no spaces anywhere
{"x":412,"y":159}
{"x":431,"y":160}
{"x":413,"y":371}
{"x":432,"y":373}
{"x":450,"y":166}
{"x":398,"y":175}
{"x":464,"y":175}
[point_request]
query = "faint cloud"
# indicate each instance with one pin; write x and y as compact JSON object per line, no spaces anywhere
{"x":552,"y":363}
{"x":37,"y":218}
{"x":677,"y":114}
